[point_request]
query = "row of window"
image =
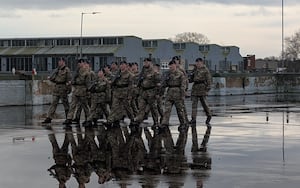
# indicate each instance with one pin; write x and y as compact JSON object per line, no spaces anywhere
{"x":41,"y":63}
{"x":62,"y":42}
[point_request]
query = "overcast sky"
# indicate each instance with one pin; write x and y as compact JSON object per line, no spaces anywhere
{"x":252,"y":25}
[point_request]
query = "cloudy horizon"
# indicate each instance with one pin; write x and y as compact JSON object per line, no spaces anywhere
{"x":253,"y":26}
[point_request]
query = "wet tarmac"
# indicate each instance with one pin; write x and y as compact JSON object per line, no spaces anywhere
{"x":253,"y":142}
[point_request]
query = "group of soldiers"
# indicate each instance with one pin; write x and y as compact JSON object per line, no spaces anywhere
{"x":122,"y":90}
{"x":116,"y":153}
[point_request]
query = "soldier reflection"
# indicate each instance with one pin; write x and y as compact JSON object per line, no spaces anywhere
{"x":201,"y":158}
{"x":100,"y":155}
{"x":81,"y":152}
{"x":175,"y":162}
{"x":61,"y":170}
{"x":204,"y":142}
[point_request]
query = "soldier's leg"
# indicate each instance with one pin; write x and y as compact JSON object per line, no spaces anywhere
{"x":194,"y":109}
{"x":52,"y":109}
{"x":154,"y":111}
{"x":167,"y":112}
{"x":206,"y":109}
{"x":160,"y":106}
{"x":93,"y":110}
{"x":85,"y":107}
{"x":78,"y":112}
{"x":179,"y":104}
{"x":116,"y":112}
{"x":72,"y":110}
{"x":142,"y":106}
{"x":65,"y":102}
{"x":128,"y":109}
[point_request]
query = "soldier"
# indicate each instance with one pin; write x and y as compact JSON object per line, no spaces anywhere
{"x":100,"y":96}
{"x":135,"y":89}
{"x":121,"y":95}
{"x":62,"y":169}
{"x":62,"y":79}
{"x":80,"y":83}
{"x":149,"y":82}
{"x":177,"y":60}
{"x":176,"y":84}
{"x":202,"y":83}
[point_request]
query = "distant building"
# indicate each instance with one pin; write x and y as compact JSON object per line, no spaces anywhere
{"x":25,"y":54}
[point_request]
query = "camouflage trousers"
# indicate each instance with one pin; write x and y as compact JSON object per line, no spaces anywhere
{"x":77,"y":102}
{"x":180,"y":108}
{"x":97,"y":109}
{"x":150,"y":102}
{"x":204,"y":104}
{"x":117,"y":110}
{"x":55,"y":101}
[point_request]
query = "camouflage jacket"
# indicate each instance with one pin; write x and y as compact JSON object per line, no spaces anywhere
{"x":202,"y":82}
{"x":81,"y":82}
{"x":61,"y":77}
{"x":176,"y":83}
{"x":122,"y":85}
{"x":150,"y":82}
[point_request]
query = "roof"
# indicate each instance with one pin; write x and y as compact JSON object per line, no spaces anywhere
{"x":58,"y":50}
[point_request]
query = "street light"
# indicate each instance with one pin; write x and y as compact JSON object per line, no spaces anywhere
{"x":81,"y":23}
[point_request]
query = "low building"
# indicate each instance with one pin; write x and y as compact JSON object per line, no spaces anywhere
{"x":41,"y":54}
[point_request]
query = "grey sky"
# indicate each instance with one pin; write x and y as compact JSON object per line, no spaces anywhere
{"x":61,"y":4}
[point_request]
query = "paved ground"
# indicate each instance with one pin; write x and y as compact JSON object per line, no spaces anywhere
{"x":254,"y":142}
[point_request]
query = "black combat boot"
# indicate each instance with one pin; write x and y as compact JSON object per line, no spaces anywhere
{"x":47,"y":120}
{"x":193,"y":122}
{"x":67,"y":122}
{"x":182,"y":128}
{"x":208,"y":121}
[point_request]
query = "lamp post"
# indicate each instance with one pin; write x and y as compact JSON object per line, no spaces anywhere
{"x":81,"y":23}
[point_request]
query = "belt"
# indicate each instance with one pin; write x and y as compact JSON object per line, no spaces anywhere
{"x":60,"y":83}
{"x":148,"y":88}
{"x":122,"y":86}
{"x":173,"y":86}
{"x":199,"y":82}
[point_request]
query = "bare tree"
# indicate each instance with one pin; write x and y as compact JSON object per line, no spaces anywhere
{"x":191,"y":37}
{"x":292,"y":49}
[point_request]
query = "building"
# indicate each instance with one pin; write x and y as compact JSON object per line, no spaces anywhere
{"x":26,"y":54}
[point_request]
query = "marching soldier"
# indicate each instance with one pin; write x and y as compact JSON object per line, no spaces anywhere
{"x":202,"y":83}
{"x":121,"y":95}
{"x":177,"y":60}
{"x":100,"y":96}
{"x":176,"y":84}
{"x":149,"y":84}
{"x":80,"y":83}
{"x":62,"y":79}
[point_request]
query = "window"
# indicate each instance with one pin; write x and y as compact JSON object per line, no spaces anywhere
{"x":204,"y":48}
{"x":49,"y":42}
{"x":19,"y":63}
{"x":109,"y":41}
{"x":5,"y":43}
{"x":18,"y":43}
{"x":63,"y":42}
{"x":149,"y":43}
{"x":32,"y":42}
{"x":179,"y":46}
{"x":41,"y":63}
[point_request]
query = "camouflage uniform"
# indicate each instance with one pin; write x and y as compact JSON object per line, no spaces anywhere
{"x":62,"y":168}
{"x":176,"y":84}
{"x":148,"y":94}
{"x":135,"y":93}
{"x":200,"y":89}
{"x":80,"y":84}
{"x":62,"y":88}
{"x":100,"y":95}
{"x":121,"y":95}
{"x":89,"y":99}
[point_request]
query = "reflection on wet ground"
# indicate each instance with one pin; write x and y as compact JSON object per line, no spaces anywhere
{"x":253,"y":142}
